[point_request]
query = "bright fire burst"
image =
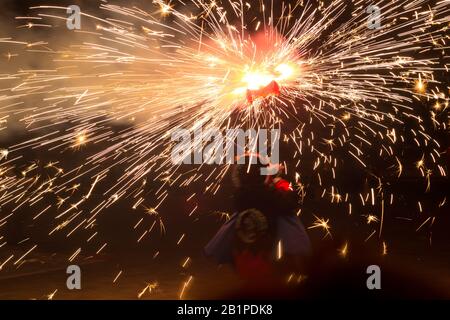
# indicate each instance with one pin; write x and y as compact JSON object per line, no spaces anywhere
{"x":344,"y":95}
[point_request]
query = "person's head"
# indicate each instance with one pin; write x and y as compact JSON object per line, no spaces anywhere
{"x":248,"y":172}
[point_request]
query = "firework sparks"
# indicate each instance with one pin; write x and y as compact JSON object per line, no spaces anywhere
{"x":323,"y":224}
{"x":185,"y":286}
{"x":347,"y":91}
{"x":148,"y":288}
{"x":52,"y":295}
{"x":343,"y":252}
{"x":117,"y":276}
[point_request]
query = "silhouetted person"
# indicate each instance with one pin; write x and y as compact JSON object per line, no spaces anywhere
{"x":263,"y":228}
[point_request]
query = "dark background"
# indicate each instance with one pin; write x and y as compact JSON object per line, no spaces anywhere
{"x":427,"y":249}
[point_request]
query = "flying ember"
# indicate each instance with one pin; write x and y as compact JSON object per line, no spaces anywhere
{"x":87,"y":116}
